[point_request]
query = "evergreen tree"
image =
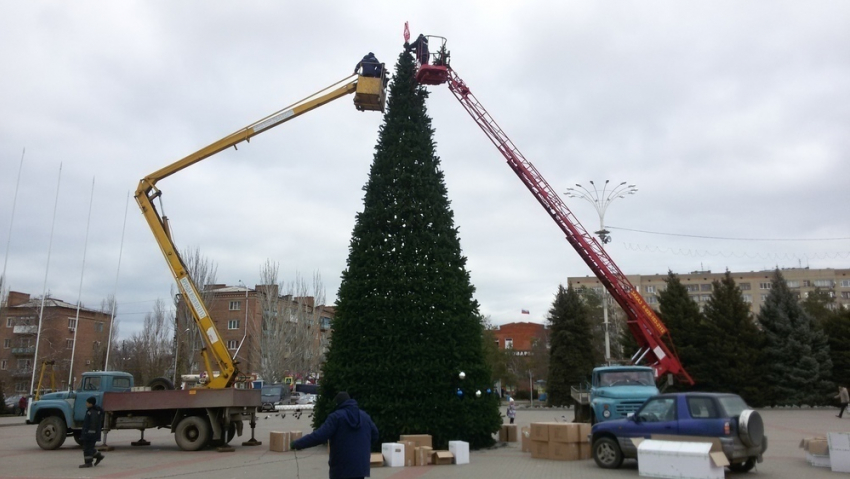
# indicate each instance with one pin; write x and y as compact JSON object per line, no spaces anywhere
{"x":798,"y":368}
{"x":837,"y":328}
{"x":406,"y":324}
{"x":571,"y":357}
{"x":819,"y":304}
{"x":595,"y":320}
{"x":733,"y":343}
{"x":684,"y":321}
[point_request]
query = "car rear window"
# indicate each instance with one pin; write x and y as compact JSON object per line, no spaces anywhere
{"x":732,"y":405}
{"x":702,"y":408}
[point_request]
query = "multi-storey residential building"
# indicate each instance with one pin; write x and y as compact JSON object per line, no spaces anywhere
{"x":754,"y":285}
{"x":238,"y":313}
{"x":19,"y":334}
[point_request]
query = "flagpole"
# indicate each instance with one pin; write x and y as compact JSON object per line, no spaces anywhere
{"x":44,"y":287}
{"x":115,"y":289}
{"x":80,"y":292}
{"x":3,"y":281}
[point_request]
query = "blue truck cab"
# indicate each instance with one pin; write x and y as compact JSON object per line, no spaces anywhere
{"x":619,"y":391}
{"x":61,"y":414}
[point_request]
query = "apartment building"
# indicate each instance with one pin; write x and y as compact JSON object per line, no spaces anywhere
{"x":755,"y":285}
{"x":19,"y":334}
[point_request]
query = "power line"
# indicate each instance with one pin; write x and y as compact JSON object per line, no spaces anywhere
{"x":726,"y":238}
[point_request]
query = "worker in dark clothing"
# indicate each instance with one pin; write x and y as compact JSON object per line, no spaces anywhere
{"x":371,"y":66}
{"x":351,"y":433}
{"x":420,"y":48}
{"x":22,"y":404}
{"x":90,"y":434}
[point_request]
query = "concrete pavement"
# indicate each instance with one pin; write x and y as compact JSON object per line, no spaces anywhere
{"x":20,"y":456}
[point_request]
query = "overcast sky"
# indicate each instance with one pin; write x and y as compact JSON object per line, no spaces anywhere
{"x":731,"y":118}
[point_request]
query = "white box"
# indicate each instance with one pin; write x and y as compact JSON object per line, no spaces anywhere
{"x":818,"y":460}
{"x":460,"y":450}
{"x":393,"y":453}
{"x":839,"y":451}
{"x":679,"y":460}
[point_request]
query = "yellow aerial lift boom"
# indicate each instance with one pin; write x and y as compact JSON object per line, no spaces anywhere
{"x":370,"y":95}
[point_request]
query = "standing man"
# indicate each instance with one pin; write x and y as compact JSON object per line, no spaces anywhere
{"x":351,"y":433}
{"x":92,"y":424}
{"x":843,"y":398}
{"x":420,"y":48}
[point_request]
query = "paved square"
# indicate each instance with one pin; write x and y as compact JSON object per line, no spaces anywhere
{"x":21,"y":457}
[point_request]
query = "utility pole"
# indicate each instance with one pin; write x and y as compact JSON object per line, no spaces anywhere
{"x":601,"y":199}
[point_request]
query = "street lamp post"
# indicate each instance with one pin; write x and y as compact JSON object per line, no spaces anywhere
{"x":601,"y":199}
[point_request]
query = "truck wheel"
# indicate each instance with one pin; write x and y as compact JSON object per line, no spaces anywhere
{"x":228,"y":436}
{"x":51,"y":433}
{"x":192,"y":433}
{"x":745,"y":466}
{"x":607,"y":453}
{"x":160,"y":384}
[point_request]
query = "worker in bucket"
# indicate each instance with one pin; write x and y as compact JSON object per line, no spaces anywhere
{"x":92,"y":424}
{"x":420,"y":48}
{"x":351,"y":433}
{"x":370,"y":65}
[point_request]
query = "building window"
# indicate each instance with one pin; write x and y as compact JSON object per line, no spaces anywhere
{"x":765,"y":285}
{"x":704,"y":298}
{"x":20,"y":387}
{"x":652,"y":299}
{"x":845,"y":294}
{"x":744,"y":286}
{"x":233,"y":324}
{"x":845,"y":283}
{"x":807,"y":284}
{"x":823,"y":283}
{"x":3,"y":364}
{"x":748,"y":298}
{"x":7,"y":343}
{"x":98,"y":326}
{"x":692,"y":288}
{"x":497,"y":343}
{"x":10,"y":322}
{"x":509,"y":343}
{"x":69,"y":343}
{"x":705,"y":287}
{"x":792,"y":283}
{"x":72,"y":323}
{"x":649,"y":289}
{"x":24,"y":364}
{"x":326,"y":323}
{"x":232,"y":344}
{"x":235,"y":305}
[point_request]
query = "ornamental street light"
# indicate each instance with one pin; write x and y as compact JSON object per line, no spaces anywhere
{"x":601,"y":199}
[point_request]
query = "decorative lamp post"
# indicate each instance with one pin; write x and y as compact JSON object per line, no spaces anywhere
{"x":601,"y":199}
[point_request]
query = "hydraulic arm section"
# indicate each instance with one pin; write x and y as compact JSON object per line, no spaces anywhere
{"x":370,"y":94}
{"x":644,"y":324}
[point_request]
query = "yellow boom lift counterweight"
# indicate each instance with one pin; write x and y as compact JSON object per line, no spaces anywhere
{"x":370,"y":95}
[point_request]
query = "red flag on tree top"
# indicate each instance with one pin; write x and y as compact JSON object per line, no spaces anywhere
{"x":406,"y":33}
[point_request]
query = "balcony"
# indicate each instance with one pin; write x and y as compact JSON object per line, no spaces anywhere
{"x":22,"y":373}
{"x":33,"y":329}
{"x":29,"y":351}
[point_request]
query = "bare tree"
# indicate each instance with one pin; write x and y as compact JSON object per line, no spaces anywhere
{"x":152,"y":352}
{"x":203,"y":272}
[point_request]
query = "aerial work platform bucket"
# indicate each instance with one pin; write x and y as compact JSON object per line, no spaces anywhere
{"x":370,"y":94}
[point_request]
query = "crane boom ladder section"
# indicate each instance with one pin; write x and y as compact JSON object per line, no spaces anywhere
{"x":147,"y":192}
{"x":643,"y":323}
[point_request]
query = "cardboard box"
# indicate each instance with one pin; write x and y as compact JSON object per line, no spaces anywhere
{"x":423,"y":456}
{"x":393,"y":454}
{"x":718,"y":458}
{"x":539,"y":449}
{"x":442,"y":458}
{"x":508,"y":433}
{"x":409,"y":453}
{"x":584,"y":451}
{"x":540,"y":431}
{"x":294,"y":435}
{"x":376,"y":459}
{"x":839,"y":451}
{"x":421,"y":440}
{"x":584,"y":432}
{"x":460,"y":451}
{"x":564,"y":451}
{"x":670,"y":458}
{"x":564,"y":432}
{"x":525,"y":437}
{"x":279,"y":441}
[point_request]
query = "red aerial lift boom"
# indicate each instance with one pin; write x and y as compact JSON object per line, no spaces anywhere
{"x":644,"y":324}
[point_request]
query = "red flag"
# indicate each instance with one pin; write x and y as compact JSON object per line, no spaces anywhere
{"x":525,"y":311}
{"x":406,"y":33}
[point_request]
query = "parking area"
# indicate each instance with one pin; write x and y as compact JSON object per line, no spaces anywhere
{"x":21,"y":457}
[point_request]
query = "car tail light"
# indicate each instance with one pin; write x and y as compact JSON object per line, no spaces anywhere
{"x":727,"y":428}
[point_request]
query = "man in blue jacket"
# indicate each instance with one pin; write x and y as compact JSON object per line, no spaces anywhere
{"x":351,"y":433}
{"x":92,"y":424}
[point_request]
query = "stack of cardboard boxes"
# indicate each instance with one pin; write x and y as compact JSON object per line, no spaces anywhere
{"x":560,"y":441}
{"x":417,"y":450}
{"x":508,"y":433}
{"x":279,"y":441}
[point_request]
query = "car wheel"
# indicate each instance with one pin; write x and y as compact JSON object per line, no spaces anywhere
{"x":51,"y":433}
{"x":607,"y":453}
{"x":745,"y":466}
{"x":751,"y":428}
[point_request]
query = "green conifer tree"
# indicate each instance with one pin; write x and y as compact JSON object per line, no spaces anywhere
{"x":732,"y":344}
{"x":684,"y":321}
{"x":406,"y":324}
{"x":798,"y":368}
{"x":837,"y":328}
{"x":571,"y":356}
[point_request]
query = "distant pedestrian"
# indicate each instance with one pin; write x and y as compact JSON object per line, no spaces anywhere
{"x":22,"y":405}
{"x":511,"y":410}
{"x":843,"y":398}
{"x":351,"y":433}
{"x":92,"y":424}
